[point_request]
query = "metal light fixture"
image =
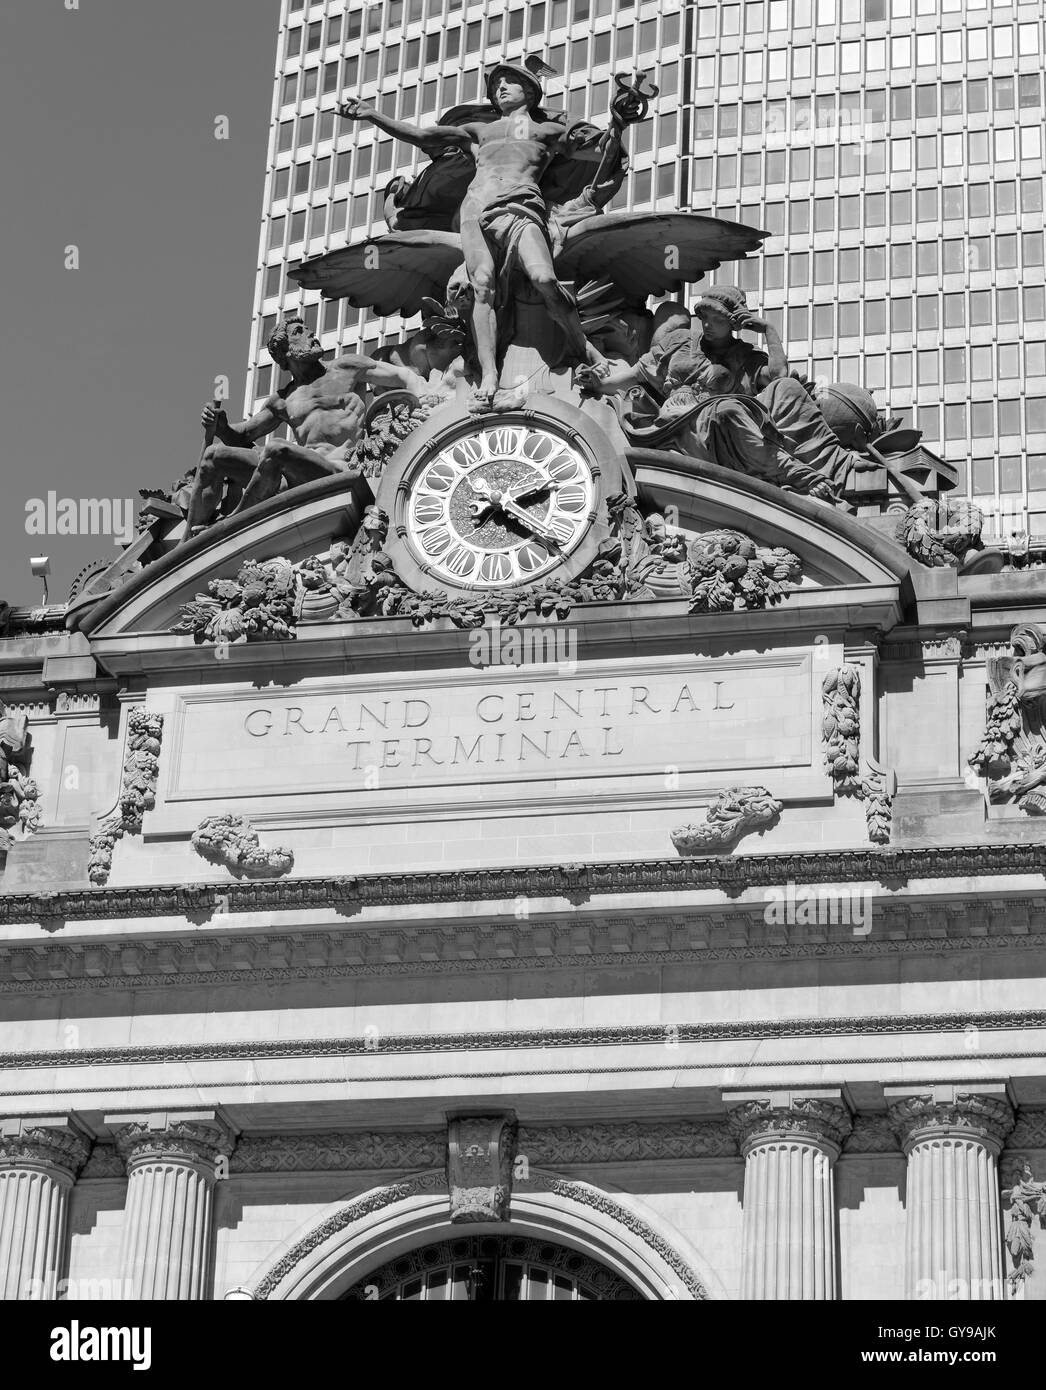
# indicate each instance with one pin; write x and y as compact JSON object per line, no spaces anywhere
{"x":41,"y":568}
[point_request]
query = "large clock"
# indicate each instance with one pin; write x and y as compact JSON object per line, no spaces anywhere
{"x":496,"y":502}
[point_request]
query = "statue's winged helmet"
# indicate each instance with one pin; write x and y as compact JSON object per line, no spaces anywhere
{"x":530,"y":71}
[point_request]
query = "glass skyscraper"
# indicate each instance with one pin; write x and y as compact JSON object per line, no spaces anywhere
{"x":893,"y":149}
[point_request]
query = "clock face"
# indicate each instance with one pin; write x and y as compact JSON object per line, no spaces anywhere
{"x":499,"y":506}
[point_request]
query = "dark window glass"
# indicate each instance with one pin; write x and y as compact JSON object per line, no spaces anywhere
{"x":1031,"y":195}
{"x":955,"y":364}
{"x":1005,"y":197}
{"x":980,"y":307}
{"x":900,"y":315}
{"x":900,"y":103}
{"x":874,"y":316}
{"x":1010,"y":466}
{"x":927,"y":311}
{"x":977,"y":96}
{"x":1009,"y":417}
{"x":281,"y":183}
{"x":901,"y":208}
{"x":926,"y":99}
{"x":953,"y":203}
{"x":875,"y":263}
{"x":977,"y":194}
{"x":926,"y":258}
{"x":1030,"y":89}
{"x":983,"y":477}
{"x":1002,"y":93}
{"x":954,"y":311}
{"x":901,"y":260}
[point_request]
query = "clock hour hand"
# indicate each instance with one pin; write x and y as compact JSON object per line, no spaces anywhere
{"x":504,"y":503}
{"x":537,"y":528}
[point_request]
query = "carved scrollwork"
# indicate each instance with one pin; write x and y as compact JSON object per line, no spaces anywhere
{"x":735,"y":812}
{"x":233,"y":842}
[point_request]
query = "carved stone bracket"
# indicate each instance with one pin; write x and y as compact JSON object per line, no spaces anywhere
{"x":735,"y":812}
{"x":233,"y":842}
{"x":141,"y":770}
{"x":480,"y":1153}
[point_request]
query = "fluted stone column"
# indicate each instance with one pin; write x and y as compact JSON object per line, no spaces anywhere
{"x":789,"y":1142}
{"x":952,"y":1136}
{"x":39,"y":1161}
{"x":172,"y":1165}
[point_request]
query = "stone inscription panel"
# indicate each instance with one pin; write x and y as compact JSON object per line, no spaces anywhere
{"x":495,"y":726}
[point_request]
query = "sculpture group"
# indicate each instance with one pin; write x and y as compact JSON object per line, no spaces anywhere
{"x":525,"y":287}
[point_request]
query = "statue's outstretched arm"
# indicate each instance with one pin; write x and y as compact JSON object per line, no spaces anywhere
{"x":387,"y":376}
{"x":431,"y":139}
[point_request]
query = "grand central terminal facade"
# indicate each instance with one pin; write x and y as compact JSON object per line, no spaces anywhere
{"x":699,"y":963}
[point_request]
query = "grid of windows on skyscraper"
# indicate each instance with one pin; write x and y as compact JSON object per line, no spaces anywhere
{"x":892,"y":149}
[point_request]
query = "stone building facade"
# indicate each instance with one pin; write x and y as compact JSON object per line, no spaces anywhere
{"x":685,"y":956}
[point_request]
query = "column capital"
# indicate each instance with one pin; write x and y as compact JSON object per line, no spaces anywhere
{"x":46,"y":1141}
{"x":981,"y":1111}
{"x":821,"y":1117}
{"x":194,"y":1137}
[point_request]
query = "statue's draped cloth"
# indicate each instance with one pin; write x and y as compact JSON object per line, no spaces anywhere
{"x":714,"y":411}
{"x":503,"y":222}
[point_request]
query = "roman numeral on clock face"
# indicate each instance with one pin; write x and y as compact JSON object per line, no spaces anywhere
{"x":428,"y":509}
{"x":460,"y":561}
{"x":496,"y":568}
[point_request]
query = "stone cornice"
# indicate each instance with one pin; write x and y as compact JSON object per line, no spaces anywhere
{"x":823,"y":1122}
{"x":576,"y":882}
{"x":640,"y":1035}
{"x":917,"y":1118}
{"x":498,"y":943}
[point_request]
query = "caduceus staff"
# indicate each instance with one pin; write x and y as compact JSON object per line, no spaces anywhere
{"x":629,"y":106}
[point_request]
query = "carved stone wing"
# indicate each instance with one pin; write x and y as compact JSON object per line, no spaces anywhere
{"x":652,"y":253}
{"x":389,"y":274}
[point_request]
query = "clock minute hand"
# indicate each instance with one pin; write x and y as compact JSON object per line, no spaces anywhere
{"x":531,"y":489}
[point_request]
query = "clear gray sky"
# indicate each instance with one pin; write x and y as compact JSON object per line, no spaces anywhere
{"x":107,"y":143}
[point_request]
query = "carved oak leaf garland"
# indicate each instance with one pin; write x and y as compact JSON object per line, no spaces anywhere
{"x":138,"y":794}
{"x":722,"y":571}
